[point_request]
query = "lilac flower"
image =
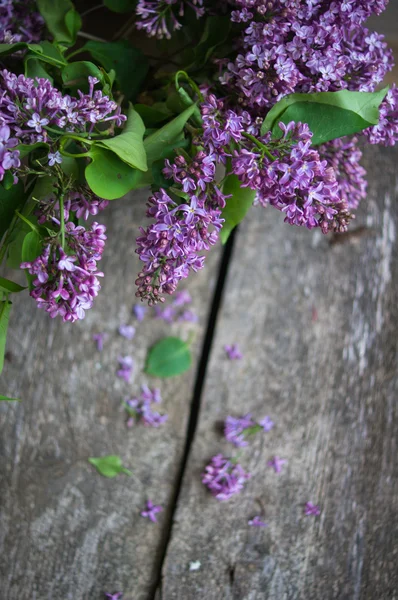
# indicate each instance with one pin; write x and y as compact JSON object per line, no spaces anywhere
{"x":115,"y":596}
{"x":126,"y":367}
{"x":151,"y":511}
{"x":386,"y":131}
{"x":224,"y":478}
{"x":233,"y":352}
{"x":158,"y":19}
{"x":99,"y":340}
{"x":188,"y":316}
{"x":127,"y":331}
{"x":139,"y":311}
{"x":167,"y":314}
{"x":28,"y":106}
{"x":66,"y":284}
{"x":182,"y":297}
{"x":266,"y":423}
{"x":54,"y":158}
{"x":234,"y":429}
{"x":312,"y":510}
{"x":257,"y":522}
{"x":9,"y":158}
{"x":139,"y":408}
{"x":20,"y":22}
{"x":276,"y":463}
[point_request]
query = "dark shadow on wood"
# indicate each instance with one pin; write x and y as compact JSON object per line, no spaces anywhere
{"x":156,"y":593}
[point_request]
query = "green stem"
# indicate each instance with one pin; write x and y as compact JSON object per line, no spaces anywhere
{"x":260,"y":145}
{"x":25,"y":220}
{"x":62,"y":214}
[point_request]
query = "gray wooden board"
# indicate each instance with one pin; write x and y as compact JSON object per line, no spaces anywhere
{"x":67,"y":532}
{"x":330,"y":385}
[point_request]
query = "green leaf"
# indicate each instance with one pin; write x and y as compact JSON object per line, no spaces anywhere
{"x":8,"y":180}
{"x":6,"y":49}
{"x":60,"y":20}
{"x":120,"y":6}
{"x":236,"y":207}
{"x":151,"y":115}
{"x":129,"y":63}
{"x":34,"y":68}
{"x":76,"y":74}
{"x":26,"y":149}
{"x":329,"y":115}
{"x":108,"y":176}
{"x":10,"y":201}
{"x":169,"y":357}
{"x":10,"y":286}
{"x":215,"y":32}
{"x":156,"y":143}
{"x":5,"y":308}
{"x":50,"y":53}
{"x":129,"y":145}
{"x":31,"y":249}
{"x":109,"y":466}
{"x":6,"y":399}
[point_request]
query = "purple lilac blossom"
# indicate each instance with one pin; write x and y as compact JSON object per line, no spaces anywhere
{"x":99,"y":338}
{"x":316,"y":46}
{"x":312,"y":510}
{"x":233,"y":352}
{"x":188,"y":316}
{"x":53,"y":158}
{"x":167,"y":314}
{"x":386,"y":131}
{"x":127,"y":331}
{"x":20,"y":22}
{"x":115,"y":596}
{"x":171,"y":247}
{"x":151,"y":511}
{"x":139,"y":312}
{"x":277,"y":463}
{"x":9,"y":158}
{"x":28,"y":106}
{"x":140,"y":410}
{"x":126,"y":364}
{"x":257,"y":522}
{"x":266,"y":423}
{"x":66,"y":284}
{"x":82,"y":202}
{"x":224,"y":478}
{"x":182,"y":297}
{"x":234,"y":429}
{"x":158,"y":18}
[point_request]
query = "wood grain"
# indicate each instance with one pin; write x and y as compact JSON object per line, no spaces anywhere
{"x":330,"y":385}
{"x":67,"y":532}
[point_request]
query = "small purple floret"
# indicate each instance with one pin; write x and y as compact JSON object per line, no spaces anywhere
{"x":151,"y":511}
{"x":127,"y":331}
{"x":277,"y":463}
{"x":312,"y":510}
{"x":224,"y":478}
{"x":233,"y":352}
{"x":257,"y":522}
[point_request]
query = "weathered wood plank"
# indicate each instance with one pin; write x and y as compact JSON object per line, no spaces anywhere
{"x":331,"y":388}
{"x":67,"y":532}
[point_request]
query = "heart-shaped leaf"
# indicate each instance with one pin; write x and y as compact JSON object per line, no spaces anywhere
{"x":169,"y":357}
{"x":109,"y":466}
{"x":108,"y":176}
{"x":236,"y":206}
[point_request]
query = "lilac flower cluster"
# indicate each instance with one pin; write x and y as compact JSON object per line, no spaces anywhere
{"x":81,"y":201}
{"x":386,"y":131}
{"x":9,"y":157}
{"x":140,"y":409}
{"x":183,"y":227}
{"x":30,"y":106}
{"x":236,"y":430}
{"x":158,"y":18}
{"x":20,"y":22}
{"x":292,"y":46}
{"x":224,"y":478}
{"x":66,"y":278}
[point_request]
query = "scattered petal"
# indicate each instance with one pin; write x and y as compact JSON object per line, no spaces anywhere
{"x":233,"y":352}
{"x":266,"y":423}
{"x":127,"y":331}
{"x":312,"y":510}
{"x":276,"y":463}
{"x":151,"y":511}
{"x":99,"y":340}
{"x":257,"y":522}
{"x":139,"y":311}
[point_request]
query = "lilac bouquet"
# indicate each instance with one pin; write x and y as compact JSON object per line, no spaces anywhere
{"x":240,"y":103}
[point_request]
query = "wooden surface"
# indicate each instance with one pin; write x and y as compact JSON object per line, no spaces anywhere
{"x":329,"y":384}
{"x":331,"y":388}
{"x":66,"y":532}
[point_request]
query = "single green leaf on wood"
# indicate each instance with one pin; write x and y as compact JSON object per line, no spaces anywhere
{"x":10,"y":201}
{"x":109,"y":466}
{"x":156,"y":143}
{"x":108,"y":176}
{"x":129,"y":145}
{"x":329,"y":115}
{"x":6,"y":399}
{"x":168,"y":358}
{"x":8,"y":286}
{"x":60,"y":19}
{"x":5,"y":308}
{"x":129,"y":63}
{"x":236,"y":206}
